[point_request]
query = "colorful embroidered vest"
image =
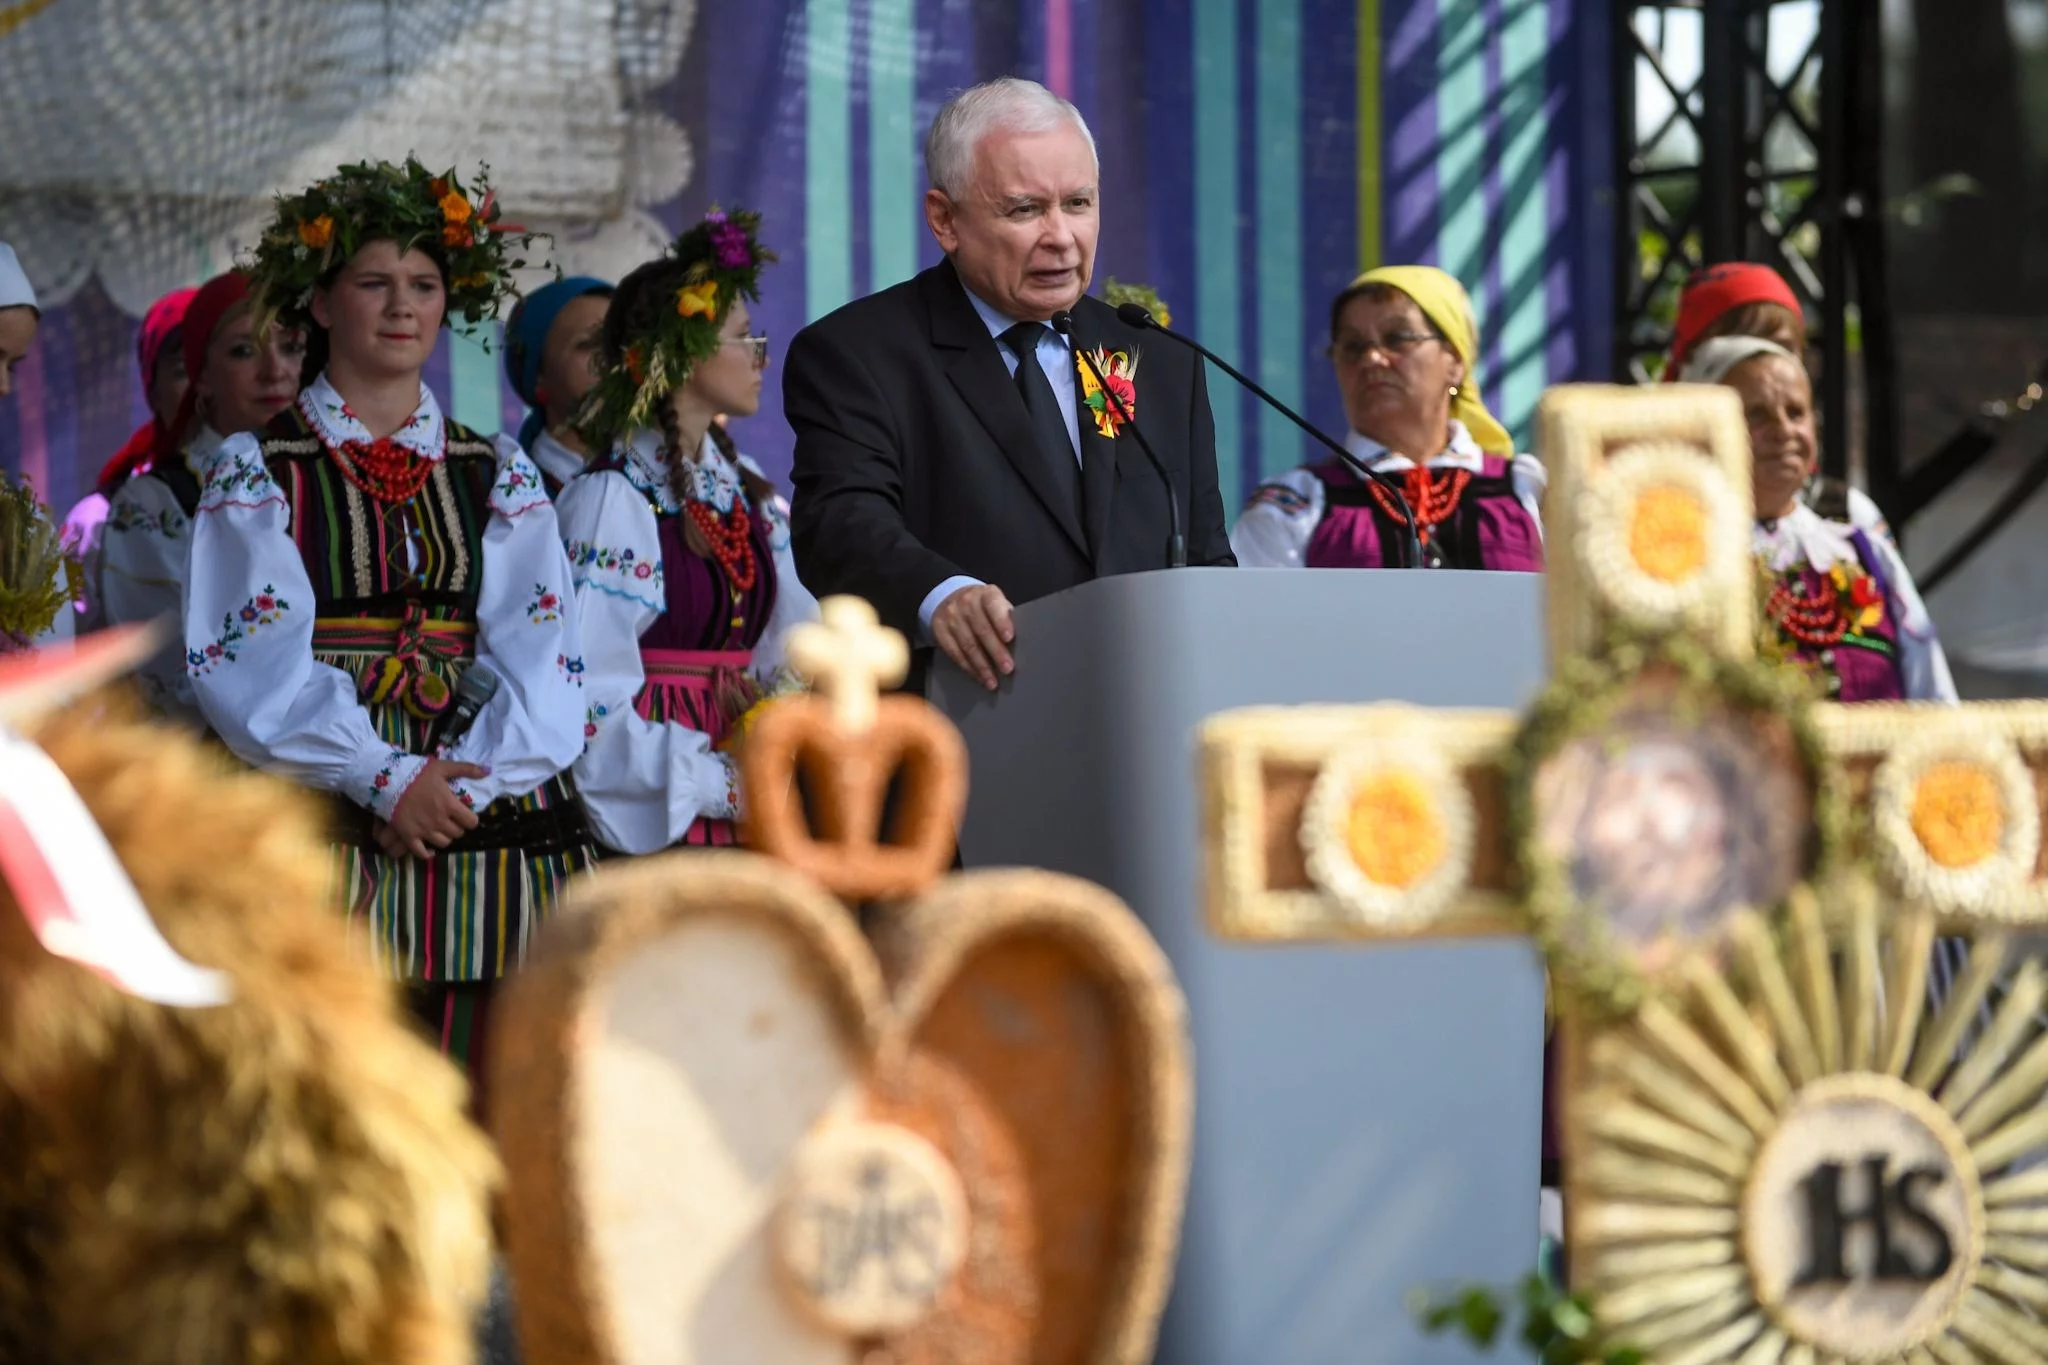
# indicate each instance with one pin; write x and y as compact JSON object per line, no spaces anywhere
{"x":1863,"y":664}
{"x":367,"y":558}
{"x":1488,"y":529}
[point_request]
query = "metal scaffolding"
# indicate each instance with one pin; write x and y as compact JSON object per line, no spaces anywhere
{"x":1746,"y":130}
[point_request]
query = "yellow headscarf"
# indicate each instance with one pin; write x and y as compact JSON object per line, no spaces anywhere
{"x":1444,"y":302}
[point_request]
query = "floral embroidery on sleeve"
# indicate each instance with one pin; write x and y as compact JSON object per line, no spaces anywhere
{"x":240,"y":480}
{"x":545,"y":606}
{"x":265,"y":608}
{"x":635,"y":578}
{"x":1280,"y":497}
{"x":731,"y":806}
{"x":597,"y":712}
{"x":380,"y":785}
{"x":572,"y":668}
{"x":519,"y":488}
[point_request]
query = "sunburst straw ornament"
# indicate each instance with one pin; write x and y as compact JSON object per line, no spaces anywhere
{"x":1663,"y":534}
{"x":1388,"y":832}
{"x":1956,"y":820}
{"x":1725,"y":1147}
{"x":317,"y":231}
{"x":722,"y":258}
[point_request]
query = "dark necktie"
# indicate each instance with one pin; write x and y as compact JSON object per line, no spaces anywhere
{"x":1048,"y":426}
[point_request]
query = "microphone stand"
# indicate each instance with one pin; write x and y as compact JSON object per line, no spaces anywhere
{"x":1177,"y":548}
{"x":1139,"y":316}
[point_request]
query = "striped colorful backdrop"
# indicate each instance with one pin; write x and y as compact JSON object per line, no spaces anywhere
{"x":1255,"y":155}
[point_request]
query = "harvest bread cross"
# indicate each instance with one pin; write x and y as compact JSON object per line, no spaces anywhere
{"x":1774,"y":1149}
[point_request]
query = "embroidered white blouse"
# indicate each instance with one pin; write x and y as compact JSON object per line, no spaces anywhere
{"x":144,"y":546}
{"x":1273,"y":532}
{"x":643,"y":783}
{"x":1806,"y":536}
{"x":249,"y":613}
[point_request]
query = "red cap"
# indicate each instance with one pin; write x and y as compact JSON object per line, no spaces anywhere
{"x":164,"y":317}
{"x":1715,"y":291}
{"x":214,"y":301}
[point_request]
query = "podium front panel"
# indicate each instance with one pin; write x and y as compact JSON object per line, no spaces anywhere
{"x":1367,"y":1117}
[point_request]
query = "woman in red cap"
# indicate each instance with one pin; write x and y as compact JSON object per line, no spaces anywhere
{"x":1735,"y":299}
{"x":163,"y":385}
{"x":1740,"y":299}
{"x":238,"y":381}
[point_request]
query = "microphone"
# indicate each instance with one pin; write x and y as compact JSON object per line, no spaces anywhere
{"x":473,"y":691}
{"x":1139,"y":316}
{"x":1177,"y":548}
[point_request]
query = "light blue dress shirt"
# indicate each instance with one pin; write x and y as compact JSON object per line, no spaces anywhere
{"x":1056,"y":357}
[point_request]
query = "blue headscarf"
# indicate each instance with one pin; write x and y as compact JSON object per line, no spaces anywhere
{"x":526,"y":341}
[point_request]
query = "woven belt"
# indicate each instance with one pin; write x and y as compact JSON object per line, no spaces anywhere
{"x":692,"y":667}
{"x":394,"y":650}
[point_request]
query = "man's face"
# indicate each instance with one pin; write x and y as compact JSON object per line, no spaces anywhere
{"x":1023,"y":234}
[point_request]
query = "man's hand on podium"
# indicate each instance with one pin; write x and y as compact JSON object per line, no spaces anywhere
{"x":975,"y":628}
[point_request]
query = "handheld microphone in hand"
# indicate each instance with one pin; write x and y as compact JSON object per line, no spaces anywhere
{"x":473,"y":691}
{"x":1139,"y":316}
{"x":1177,"y":548}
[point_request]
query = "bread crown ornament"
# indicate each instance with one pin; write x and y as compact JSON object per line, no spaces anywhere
{"x":737,"y":1128}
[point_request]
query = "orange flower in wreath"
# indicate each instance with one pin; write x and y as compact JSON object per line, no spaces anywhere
{"x":698,"y":300}
{"x":458,"y":234}
{"x":318,"y":233}
{"x":455,"y":208}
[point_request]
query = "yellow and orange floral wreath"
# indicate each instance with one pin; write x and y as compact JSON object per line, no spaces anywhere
{"x":316,"y":231}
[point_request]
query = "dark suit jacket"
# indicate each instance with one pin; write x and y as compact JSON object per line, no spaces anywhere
{"x":915,"y":460}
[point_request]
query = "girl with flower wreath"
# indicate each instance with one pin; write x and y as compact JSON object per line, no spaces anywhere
{"x":1839,"y":596}
{"x":679,"y":544}
{"x":237,"y":380}
{"x":352,"y":562}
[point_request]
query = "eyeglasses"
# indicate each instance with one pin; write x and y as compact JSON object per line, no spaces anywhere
{"x":1394,"y":345}
{"x":757,"y":347}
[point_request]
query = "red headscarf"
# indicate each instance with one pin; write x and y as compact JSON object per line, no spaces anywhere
{"x":213,"y":301}
{"x":152,"y":438}
{"x":1716,"y":291}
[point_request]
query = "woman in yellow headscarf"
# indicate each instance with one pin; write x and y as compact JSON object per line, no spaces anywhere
{"x":1405,"y":349}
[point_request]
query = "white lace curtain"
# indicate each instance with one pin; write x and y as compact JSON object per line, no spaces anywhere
{"x":141,"y":140}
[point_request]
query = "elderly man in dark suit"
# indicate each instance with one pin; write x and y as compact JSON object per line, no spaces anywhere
{"x":949,"y":461}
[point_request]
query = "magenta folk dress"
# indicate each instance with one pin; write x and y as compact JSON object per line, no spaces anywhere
{"x":672,"y":640}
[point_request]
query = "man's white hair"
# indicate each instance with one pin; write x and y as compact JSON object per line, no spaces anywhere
{"x":1008,"y":104}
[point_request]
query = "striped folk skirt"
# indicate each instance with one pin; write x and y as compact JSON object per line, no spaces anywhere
{"x":469,"y":913}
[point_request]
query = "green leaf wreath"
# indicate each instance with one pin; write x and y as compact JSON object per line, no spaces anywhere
{"x":722,"y":258}
{"x":320,"y":228}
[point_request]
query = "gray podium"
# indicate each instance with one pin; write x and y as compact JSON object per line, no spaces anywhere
{"x":1366,"y":1117}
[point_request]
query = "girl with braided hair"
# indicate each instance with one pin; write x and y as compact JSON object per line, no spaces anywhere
{"x":679,"y":546}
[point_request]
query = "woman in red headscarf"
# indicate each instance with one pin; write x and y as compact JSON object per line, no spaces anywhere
{"x":163,"y":384}
{"x":1735,"y":299}
{"x":238,"y":381}
{"x":1741,"y":299}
